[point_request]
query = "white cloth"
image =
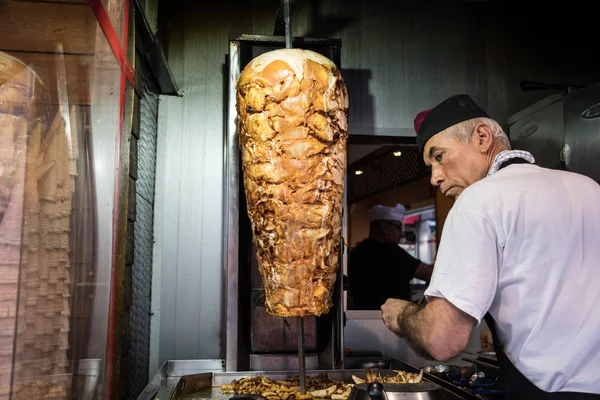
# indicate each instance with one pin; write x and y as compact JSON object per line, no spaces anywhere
{"x":379,"y":212}
{"x":524,"y":243}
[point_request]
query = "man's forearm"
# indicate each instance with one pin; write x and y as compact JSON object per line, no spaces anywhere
{"x":412,"y":329}
{"x":437,"y":331}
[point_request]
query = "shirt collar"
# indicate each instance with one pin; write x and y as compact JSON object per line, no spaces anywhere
{"x":507,"y":155}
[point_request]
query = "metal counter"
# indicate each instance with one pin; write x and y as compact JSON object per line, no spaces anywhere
{"x":210,"y":373}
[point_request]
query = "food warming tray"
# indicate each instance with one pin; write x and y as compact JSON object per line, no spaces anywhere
{"x":207,"y":386}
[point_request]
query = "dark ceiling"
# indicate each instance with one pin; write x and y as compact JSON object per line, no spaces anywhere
{"x":382,"y":171}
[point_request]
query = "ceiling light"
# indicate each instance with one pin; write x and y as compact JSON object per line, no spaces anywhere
{"x":358,"y":172}
{"x":397,"y":153}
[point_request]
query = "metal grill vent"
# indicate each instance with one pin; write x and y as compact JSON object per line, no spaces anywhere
{"x":384,"y":169}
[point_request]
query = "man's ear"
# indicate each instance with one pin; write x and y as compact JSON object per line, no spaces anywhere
{"x":484,"y":136}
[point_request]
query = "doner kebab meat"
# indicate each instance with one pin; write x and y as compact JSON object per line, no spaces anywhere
{"x":292,"y":109}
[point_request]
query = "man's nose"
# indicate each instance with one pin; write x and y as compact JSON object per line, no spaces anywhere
{"x":437,"y":176}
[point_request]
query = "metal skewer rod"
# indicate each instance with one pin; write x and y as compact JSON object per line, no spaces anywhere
{"x":301,"y":363}
{"x":288,"y":24}
{"x":301,"y":358}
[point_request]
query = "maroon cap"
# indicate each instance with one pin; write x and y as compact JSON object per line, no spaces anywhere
{"x":419,"y":119}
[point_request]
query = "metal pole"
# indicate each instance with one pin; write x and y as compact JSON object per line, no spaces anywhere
{"x":301,"y":363}
{"x":288,"y":24}
{"x":301,"y":359}
{"x":300,"y":327}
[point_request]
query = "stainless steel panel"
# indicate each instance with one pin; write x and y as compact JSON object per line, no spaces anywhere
{"x":166,"y":233}
{"x":168,"y":375}
{"x":164,"y":287}
{"x":396,"y":67}
{"x":539,"y":129}
{"x":158,"y":380}
{"x":582,"y":131}
{"x":273,"y":362}
{"x":186,"y":367}
{"x":188,"y":196}
{"x":231,"y":216}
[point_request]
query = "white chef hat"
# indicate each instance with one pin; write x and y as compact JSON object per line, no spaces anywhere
{"x":379,"y":212}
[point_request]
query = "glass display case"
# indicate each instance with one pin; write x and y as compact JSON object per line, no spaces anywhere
{"x":62,"y":85}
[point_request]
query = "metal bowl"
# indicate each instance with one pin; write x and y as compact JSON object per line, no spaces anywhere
{"x":446,"y":372}
{"x":437,"y":369}
{"x":399,"y":391}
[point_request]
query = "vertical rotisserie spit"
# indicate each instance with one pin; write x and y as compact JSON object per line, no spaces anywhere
{"x":292,"y":109}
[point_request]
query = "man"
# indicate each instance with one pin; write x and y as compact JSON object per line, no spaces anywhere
{"x":378,"y":268}
{"x":521,"y":245}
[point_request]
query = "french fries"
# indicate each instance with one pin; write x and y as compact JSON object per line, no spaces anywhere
{"x":318,"y":387}
{"x":401,"y":377}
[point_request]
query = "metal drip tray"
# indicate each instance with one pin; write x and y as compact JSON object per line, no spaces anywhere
{"x":208,"y":385}
{"x":202,"y":380}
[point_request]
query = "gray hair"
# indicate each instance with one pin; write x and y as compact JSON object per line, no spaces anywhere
{"x":464,"y":130}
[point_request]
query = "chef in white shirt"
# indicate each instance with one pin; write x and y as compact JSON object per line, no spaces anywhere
{"x":520,"y":248}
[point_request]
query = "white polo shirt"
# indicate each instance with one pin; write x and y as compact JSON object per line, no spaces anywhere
{"x":524,"y":243}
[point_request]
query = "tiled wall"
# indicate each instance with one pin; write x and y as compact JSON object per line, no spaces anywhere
{"x":365,"y":331}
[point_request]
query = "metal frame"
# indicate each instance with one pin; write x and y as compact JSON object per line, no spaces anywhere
{"x":235,"y":354}
{"x":154,"y":55}
{"x":231,"y":218}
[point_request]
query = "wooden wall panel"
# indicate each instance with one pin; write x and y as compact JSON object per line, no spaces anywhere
{"x":40,"y":26}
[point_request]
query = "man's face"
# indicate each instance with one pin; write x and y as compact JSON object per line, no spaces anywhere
{"x":394,"y":231}
{"x":454,"y":164}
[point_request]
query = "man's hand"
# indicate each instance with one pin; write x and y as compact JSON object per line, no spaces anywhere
{"x":390,"y":313}
{"x":485,"y":339}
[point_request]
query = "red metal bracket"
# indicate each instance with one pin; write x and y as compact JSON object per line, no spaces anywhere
{"x":119,"y":50}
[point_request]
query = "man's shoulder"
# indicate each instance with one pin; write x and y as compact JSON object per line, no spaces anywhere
{"x":478,"y":194}
{"x":520,"y":178}
{"x":361,"y":247}
{"x":361,"y":244}
{"x":490,"y":188}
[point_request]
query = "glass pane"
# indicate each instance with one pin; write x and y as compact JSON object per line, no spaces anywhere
{"x":59,"y":114}
{"x":115,"y":10}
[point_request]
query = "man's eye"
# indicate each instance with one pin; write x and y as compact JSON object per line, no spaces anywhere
{"x":439,"y":156}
